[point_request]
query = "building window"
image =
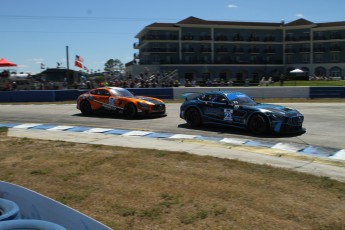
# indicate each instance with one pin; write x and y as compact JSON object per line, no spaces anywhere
{"x":318,"y":58}
{"x":306,"y":58}
{"x":318,"y":35}
{"x":334,"y":57}
{"x":288,"y":59}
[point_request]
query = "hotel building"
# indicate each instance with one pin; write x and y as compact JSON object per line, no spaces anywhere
{"x":203,"y":50}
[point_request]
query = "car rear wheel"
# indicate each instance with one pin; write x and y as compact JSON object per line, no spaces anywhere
{"x":193,"y":117}
{"x":85,"y":108}
{"x":258,"y":124}
{"x":130,"y":111}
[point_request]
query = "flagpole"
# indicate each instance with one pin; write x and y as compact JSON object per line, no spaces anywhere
{"x":67,"y":58}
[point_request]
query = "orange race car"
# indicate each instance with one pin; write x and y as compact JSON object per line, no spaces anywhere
{"x":119,"y":100}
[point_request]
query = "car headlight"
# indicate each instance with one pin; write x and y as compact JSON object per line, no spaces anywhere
{"x":276,"y":116}
{"x":143,"y":105}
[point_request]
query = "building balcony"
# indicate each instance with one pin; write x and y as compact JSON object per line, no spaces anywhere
{"x":290,"y":51}
{"x":335,"y":36}
{"x":320,"y":38}
{"x":188,"y":50}
{"x":304,"y":50}
{"x":254,"y":39}
{"x":136,"y":45}
{"x":335,"y":49}
{"x":136,"y":56}
{"x":160,"y":37}
{"x":270,"y":51}
{"x":269,"y":39}
{"x":221,"y":50}
{"x":205,"y":50}
{"x":188,"y":37}
{"x":205,"y":38}
{"x":221,"y":38}
{"x":160,"y":50}
{"x":254,"y":51}
{"x":238,"y":50}
{"x":319,"y":50}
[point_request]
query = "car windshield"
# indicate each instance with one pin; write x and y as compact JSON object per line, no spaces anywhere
{"x":240,"y":99}
{"x":121,"y":92}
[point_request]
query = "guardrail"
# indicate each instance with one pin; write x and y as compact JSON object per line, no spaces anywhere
{"x":175,"y":93}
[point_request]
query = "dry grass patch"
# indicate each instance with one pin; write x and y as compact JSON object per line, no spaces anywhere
{"x":150,"y":189}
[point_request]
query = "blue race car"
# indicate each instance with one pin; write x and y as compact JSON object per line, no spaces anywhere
{"x":236,"y":109}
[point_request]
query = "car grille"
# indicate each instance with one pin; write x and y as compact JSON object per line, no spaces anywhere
{"x":159,"y":107}
{"x":295,"y":121}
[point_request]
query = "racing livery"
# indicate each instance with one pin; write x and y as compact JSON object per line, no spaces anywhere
{"x":236,"y":109}
{"x":119,"y":100}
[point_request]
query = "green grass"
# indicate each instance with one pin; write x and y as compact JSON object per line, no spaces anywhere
{"x":311,"y":83}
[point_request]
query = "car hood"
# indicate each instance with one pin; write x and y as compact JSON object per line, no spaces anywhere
{"x":276,"y":109}
{"x":148,"y":99}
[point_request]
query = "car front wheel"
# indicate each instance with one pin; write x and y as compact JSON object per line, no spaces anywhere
{"x":193,"y":117}
{"x":130,"y":111}
{"x":85,"y":108}
{"x":258,"y":124}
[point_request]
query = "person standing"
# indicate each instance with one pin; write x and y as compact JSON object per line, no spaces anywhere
{"x":281,"y":79}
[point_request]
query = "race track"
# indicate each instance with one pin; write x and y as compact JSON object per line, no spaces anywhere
{"x":325,"y":123}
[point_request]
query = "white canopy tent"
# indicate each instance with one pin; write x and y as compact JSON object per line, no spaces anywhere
{"x":297,"y":71}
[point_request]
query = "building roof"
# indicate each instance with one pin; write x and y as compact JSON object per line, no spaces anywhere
{"x":300,"y":22}
{"x":197,"y":21}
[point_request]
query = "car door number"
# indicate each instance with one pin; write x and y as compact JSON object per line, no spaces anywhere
{"x":112,"y":101}
{"x":228,"y":115}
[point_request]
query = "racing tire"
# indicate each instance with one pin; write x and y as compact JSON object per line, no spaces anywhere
{"x":193,"y":117}
{"x":258,"y":124}
{"x":85,"y":108}
{"x":9,"y":210}
{"x":30,"y":224}
{"x":130,"y":111}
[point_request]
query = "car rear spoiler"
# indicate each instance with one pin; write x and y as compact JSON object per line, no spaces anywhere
{"x":190,"y":95}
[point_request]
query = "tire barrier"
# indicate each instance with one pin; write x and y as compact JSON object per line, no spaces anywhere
{"x":29,"y":225}
{"x":10,"y":219}
{"x":9,"y":210}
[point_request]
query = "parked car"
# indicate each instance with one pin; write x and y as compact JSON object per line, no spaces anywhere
{"x":236,"y":109}
{"x":119,"y":100}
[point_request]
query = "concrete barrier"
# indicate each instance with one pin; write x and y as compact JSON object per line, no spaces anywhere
{"x":255,"y":92}
{"x":175,"y":93}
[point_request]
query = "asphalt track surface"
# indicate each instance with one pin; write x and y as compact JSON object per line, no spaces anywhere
{"x":324,"y":124}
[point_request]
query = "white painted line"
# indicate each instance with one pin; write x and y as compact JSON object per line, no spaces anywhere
{"x":340,"y":155}
{"x":233,"y":141}
{"x":97,"y":130}
{"x":26,"y":126}
{"x":183,"y":136}
{"x":60,"y":127}
{"x":287,"y":147}
{"x":136,"y":133}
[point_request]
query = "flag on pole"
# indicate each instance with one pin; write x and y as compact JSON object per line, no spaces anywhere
{"x":79,"y":58}
{"x":78,"y":64}
{"x":43,"y":66}
{"x":78,"y":61}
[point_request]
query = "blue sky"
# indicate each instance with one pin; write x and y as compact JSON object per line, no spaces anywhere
{"x":38,"y":31}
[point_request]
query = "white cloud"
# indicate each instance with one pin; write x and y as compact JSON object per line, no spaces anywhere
{"x":300,"y":15}
{"x":232,"y":6}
